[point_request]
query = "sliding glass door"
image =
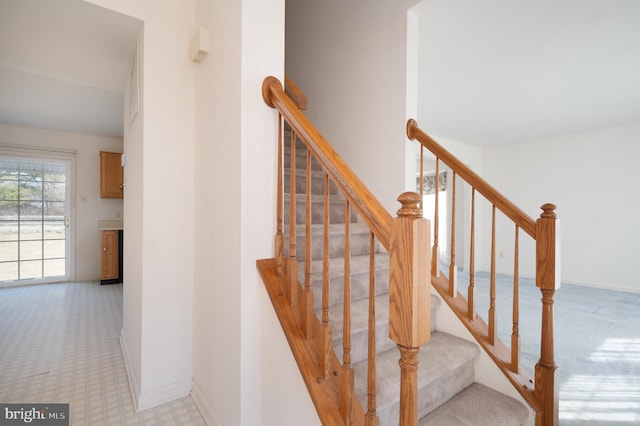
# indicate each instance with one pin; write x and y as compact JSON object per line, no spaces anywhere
{"x":34,"y":219}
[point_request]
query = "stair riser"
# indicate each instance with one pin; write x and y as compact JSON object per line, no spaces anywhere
{"x":336,"y":211}
{"x":287,"y":138}
{"x":317,"y":184}
{"x":301,"y":160}
{"x":360,"y":341}
{"x":359,"y":287}
{"x":432,"y":396}
{"x":359,"y":246}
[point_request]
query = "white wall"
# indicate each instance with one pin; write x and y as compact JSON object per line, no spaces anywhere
{"x":286,"y":399}
{"x":133,"y":237}
{"x":350,"y":60}
{"x":236,"y":361}
{"x":88,"y":207}
{"x":588,"y":176}
{"x":158,"y":323}
{"x":262,"y":55}
{"x":217,"y":289}
{"x":195,"y":272}
{"x":472,"y":158}
{"x":591,"y":178}
{"x":563,"y":170}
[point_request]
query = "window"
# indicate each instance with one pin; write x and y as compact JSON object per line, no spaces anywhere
{"x":429,"y":203}
{"x":34,"y":218}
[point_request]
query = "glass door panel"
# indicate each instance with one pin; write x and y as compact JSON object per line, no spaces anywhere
{"x":33,"y":218}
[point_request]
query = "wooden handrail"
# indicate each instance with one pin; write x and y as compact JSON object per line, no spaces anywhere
{"x":293,"y":91}
{"x":360,"y":198}
{"x":543,"y":396}
{"x":524,"y":221}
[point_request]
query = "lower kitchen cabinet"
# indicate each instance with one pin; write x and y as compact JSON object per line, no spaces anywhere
{"x":111,"y":265}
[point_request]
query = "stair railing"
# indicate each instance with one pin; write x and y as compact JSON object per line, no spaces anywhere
{"x":330,"y":381}
{"x":295,"y":94}
{"x":541,"y":395}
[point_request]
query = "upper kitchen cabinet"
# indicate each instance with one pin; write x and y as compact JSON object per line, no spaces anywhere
{"x":111,"y":175}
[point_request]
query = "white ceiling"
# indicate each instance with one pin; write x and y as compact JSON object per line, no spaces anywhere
{"x":502,"y":71}
{"x":493,"y":71}
{"x":63,"y":65}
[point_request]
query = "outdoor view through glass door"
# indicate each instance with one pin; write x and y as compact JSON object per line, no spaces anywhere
{"x":34,"y":219}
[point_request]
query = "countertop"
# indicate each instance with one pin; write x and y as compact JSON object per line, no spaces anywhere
{"x":109,"y":225}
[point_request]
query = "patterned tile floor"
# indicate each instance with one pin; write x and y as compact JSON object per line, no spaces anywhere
{"x":59,"y":344}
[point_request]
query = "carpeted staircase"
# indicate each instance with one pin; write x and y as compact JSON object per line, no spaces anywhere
{"x":448,"y":394}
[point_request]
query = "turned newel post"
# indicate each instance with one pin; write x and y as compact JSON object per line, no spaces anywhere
{"x":548,"y":281}
{"x":409,"y":297}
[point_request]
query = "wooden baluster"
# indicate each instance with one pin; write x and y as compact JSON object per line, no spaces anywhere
{"x":371,"y":418}
{"x":279,"y":238}
{"x":325,"y":344}
{"x":492,"y":288}
{"x":548,"y":281}
{"x":292,"y":262}
{"x":515,"y":332}
{"x":409,"y":297}
{"x":435,"y":252}
{"x":421,"y":185}
{"x":292,"y":196}
{"x":471,"y":291}
{"x":409,"y":365}
{"x":347,"y":370}
{"x":307,"y":310}
{"x":453,"y":271}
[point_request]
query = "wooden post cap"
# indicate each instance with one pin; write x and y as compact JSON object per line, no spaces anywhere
{"x":410,"y":205}
{"x":548,"y":211}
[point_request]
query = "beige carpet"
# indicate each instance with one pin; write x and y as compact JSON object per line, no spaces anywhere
{"x":597,"y":345}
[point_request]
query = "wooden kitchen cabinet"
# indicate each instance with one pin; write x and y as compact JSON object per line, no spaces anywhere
{"x":111,"y":175}
{"x":110,"y":253}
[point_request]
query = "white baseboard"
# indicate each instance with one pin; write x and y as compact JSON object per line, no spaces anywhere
{"x":134,"y":387}
{"x":601,"y":286}
{"x":164,"y":394}
{"x":150,"y":399}
{"x":85,"y":278}
{"x":203,"y":405}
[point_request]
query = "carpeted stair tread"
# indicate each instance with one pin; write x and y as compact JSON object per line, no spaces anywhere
{"x":359,"y":232}
{"x":446,"y":392}
{"x":360,"y":329}
{"x":360,"y":326}
{"x":477,"y":405}
{"x":446,"y":368}
{"x":360,"y":314}
{"x":359,"y":278}
{"x":335,"y":229}
{"x":358,"y":264}
{"x":316,"y":198}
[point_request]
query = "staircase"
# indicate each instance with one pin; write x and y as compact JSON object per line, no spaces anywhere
{"x":446,"y":389}
{"x":351,"y":286}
